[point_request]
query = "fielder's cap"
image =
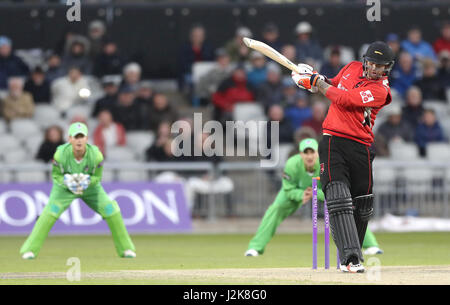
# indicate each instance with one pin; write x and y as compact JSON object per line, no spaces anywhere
{"x":4,"y":41}
{"x":308,"y":143}
{"x":303,"y":27}
{"x":78,"y":128}
{"x":244,"y":32}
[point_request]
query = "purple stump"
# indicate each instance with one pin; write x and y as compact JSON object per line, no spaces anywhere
{"x":327,"y":235}
{"x":314,"y":222}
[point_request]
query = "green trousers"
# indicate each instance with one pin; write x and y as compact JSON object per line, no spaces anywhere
{"x":97,"y":199}
{"x":275,"y":214}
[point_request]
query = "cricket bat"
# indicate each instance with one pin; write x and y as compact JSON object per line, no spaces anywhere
{"x":271,"y":52}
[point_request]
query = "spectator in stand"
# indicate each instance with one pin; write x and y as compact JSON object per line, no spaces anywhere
{"x":332,"y":67}
{"x":17,"y":104}
{"x":196,"y":50}
{"x":111,"y":88}
{"x":126,"y":111}
{"x":289,"y":52}
{"x":144,"y":97}
{"x":54,"y":69}
{"x":286,"y":132}
{"x":289,"y":92}
{"x":418,"y":48}
{"x":52,"y":139}
{"x":429,"y":130}
{"x":319,"y":111}
{"x":108,"y":61}
{"x":38,"y":86}
{"x":108,"y":133}
{"x":131,"y":75}
{"x":77,"y":55}
{"x":270,"y":36}
{"x":258,"y":70}
{"x":10,"y":64}
{"x":443,"y":42}
{"x":413,"y":110}
{"x":209,"y":83}
{"x":444,"y":70}
{"x":431,"y":85}
{"x":404,"y":74}
{"x":96,"y":36}
{"x":393,"y":42}
{"x":161,"y":111}
{"x":300,"y":111}
{"x":394,"y":129}
{"x":307,"y":49}
{"x":66,"y":90}
{"x":236,"y":49}
{"x":271,"y":91}
{"x":231,"y":91}
{"x":161,"y":149}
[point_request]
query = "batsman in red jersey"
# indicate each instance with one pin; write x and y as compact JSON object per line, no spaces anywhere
{"x":357,"y":94}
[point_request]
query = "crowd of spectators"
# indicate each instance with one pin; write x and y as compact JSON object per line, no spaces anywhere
{"x":90,"y":69}
{"x":420,"y":79}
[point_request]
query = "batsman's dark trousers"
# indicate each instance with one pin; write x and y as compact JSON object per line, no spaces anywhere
{"x":348,"y":161}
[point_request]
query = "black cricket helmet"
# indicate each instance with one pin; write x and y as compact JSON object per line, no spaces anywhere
{"x":380,"y":53}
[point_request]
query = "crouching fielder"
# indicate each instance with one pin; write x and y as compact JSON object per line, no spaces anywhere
{"x":77,"y":173}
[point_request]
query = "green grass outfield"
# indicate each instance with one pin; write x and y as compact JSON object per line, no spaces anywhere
{"x":100,"y":265}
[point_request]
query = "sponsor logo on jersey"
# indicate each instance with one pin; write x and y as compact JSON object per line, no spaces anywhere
{"x":366,"y":96}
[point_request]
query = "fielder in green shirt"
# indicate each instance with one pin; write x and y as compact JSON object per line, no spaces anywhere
{"x":296,"y":190}
{"x":77,"y":173}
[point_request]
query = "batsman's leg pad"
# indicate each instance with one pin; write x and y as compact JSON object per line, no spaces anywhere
{"x":121,"y":238}
{"x":342,"y":223}
{"x":40,"y":232}
{"x":362,"y":213}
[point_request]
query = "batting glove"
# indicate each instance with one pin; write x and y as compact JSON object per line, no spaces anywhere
{"x":307,"y":81}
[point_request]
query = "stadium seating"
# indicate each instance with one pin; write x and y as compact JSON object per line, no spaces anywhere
{"x":139,"y":141}
{"x":78,"y":110}
{"x":24,"y":128}
{"x":31,"y":175}
{"x":438,"y":152}
{"x":3,"y":127}
{"x":199,"y":69}
{"x":15,"y":156}
{"x":33,"y":143}
{"x":9,"y":142}
{"x":440,"y":108}
{"x":403,"y":151}
{"x":119,"y":154}
{"x":46,"y":115}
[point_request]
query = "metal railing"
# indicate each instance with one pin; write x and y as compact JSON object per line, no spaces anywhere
{"x":419,"y":188}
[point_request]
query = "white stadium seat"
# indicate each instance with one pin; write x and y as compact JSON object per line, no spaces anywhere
{"x":8,"y":142}
{"x":15,"y":156}
{"x":119,"y":154}
{"x":140,"y":141}
{"x":78,"y":110}
{"x":31,"y":175}
{"x":24,"y":128}
{"x":200,"y":69}
{"x":251,"y":111}
{"x":438,"y":151}
{"x":403,"y":151}
{"x":46,"y":115}
{"x":33,"y":143}
{"x":3,"y":127}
